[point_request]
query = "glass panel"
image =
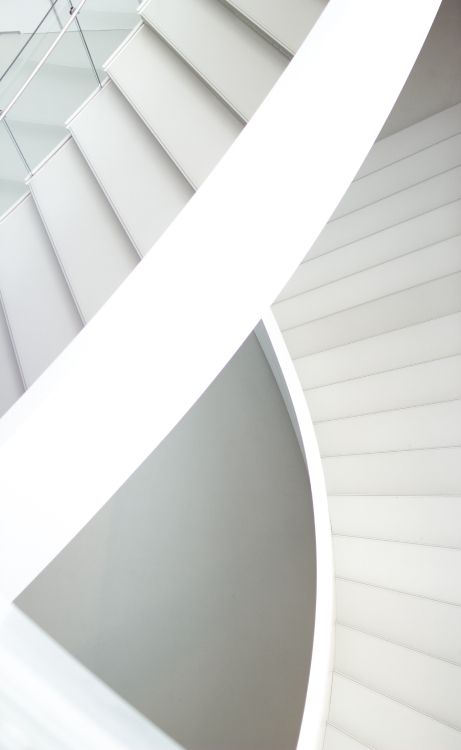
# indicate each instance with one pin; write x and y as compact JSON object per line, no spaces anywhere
{"x":74,"y":68}
{"x":65,"y":80}
{"x":20,"y":53}
{"x":13,"y":170}
{"x":105,"y":24}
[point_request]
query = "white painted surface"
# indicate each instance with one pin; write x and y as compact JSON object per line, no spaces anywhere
{"x":92,"y":247}
{"x":288,"y":23}
{"x":415,"y":200}
{"x":383,"y":382}
{"x":377,"y":343}
{"x":410,"y":568}
{"x":396,"y":275}
{"x":426,"y":383}
{"x":40,"y":308}
{"x":412,"y":235}
{"x":356,"y":709}
{"x":418,"y":472}
{"x":235,"y":60}
{"x":191,"y":122}
{"x":434,"y":299}
{"x":11,"y":383}
{"x":410,"y":428}
{"x":402,"y":674}
{"x":434,"y":520}
{"x":420,"y":135}
{"x":336,"y":740}
{"x":410,"y":170}
{"x":422,"y":342}
{"x":144,"y":187}
{"x":412,"y":621}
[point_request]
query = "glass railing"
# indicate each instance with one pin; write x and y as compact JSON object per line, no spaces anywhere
{"x":19,"y":52}
{"x":46,"y":78}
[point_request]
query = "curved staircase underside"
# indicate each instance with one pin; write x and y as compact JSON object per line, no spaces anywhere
{"x":370,"y":318}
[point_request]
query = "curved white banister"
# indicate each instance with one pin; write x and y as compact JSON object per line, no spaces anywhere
{"x":141,"y":363}
{"x":321,"y":666}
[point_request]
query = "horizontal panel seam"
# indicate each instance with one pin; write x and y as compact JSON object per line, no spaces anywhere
{"x":395,"y":541}
{"x":370,"y":302}
{"x":377,"y":335}
{"x":407,"y":156}
{"x":399,"y":645}
{"x":398,"y":591}
{"x":398,"y":495}
{"x":386,"y":540}
{"x":393,"y":450}
{"x":280,"y":300}
{"x":380,"y":231}
{"x":384,"y":372}
{"x":398,"y":701}
{"x":348,"y":734}
{"x":392,"y":410}
{"x":394,"y":193}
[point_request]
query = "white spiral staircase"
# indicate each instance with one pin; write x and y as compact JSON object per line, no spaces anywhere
{"x":371,"y":319}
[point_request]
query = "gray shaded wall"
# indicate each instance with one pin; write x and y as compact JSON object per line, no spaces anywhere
{"x":435,"y":81}
{"x":192,"y":592}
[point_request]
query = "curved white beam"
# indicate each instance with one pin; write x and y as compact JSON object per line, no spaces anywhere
{"x":128,"y":378}
{"x":321,"y":667}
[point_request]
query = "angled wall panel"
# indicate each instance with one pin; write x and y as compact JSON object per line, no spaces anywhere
{"x":405,"y":619}
{"x":42,"y":313}
{"x":11,"y":384}
{"x":382,"y":723}
{"x":94,"y":251}
{"x":143,"y":185}
{"x":234,"y":59}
